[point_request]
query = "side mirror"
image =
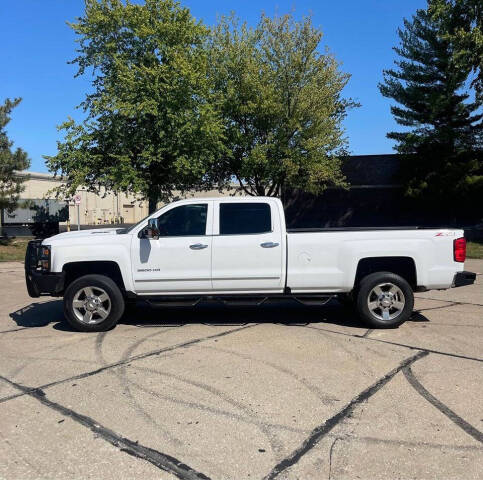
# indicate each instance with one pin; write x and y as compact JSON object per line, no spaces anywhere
{"x":151,"y":231}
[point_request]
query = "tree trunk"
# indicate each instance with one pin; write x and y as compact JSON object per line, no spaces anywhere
{"x":153,"y":202}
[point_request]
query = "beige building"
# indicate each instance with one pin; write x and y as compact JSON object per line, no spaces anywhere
{"x":104,"y":209}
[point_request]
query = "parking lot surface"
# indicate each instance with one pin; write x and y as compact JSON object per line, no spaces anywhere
{"x":284,"y":392}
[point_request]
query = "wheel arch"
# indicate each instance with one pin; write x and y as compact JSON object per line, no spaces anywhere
{"x":108,"y":268}
{"x":405,"y":267}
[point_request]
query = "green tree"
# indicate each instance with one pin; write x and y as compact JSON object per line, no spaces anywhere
{"x":150,"y":126}
{"x":467,"y":37}
{"x":281,"y":103}
{"x":441,"y":146}
{"x":10,"y":163}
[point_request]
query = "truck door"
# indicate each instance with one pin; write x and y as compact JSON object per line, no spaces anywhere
{"x":247,"y":247}
{"x":180,"y":260}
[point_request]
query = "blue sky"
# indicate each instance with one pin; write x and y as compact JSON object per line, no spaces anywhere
{"x":36,"y":44}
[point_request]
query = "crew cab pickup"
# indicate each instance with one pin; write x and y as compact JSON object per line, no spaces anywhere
{"x":238,"y":250}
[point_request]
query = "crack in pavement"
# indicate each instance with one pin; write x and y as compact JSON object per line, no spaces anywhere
{"x":406,"y":443}
{"x":445,"y":410}
{"x":127,"y":360}
{"x":449,"y":301}
{"x":411,"y":347}
{"x":18,"y":329}
{"x":452,"y":304}
{"x":119,"y":374}
{"x":322,"y":430}
{"x":161,"y":460}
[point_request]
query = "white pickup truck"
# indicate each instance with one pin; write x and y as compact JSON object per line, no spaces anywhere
{"x":239,"y":250}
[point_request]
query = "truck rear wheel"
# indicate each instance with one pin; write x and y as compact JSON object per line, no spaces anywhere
{"x":384,"y":300}
{"x":93,"y":303}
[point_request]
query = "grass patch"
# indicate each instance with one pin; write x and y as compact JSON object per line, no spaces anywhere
{"x":474,"y":250}
{"x":13,"y":249}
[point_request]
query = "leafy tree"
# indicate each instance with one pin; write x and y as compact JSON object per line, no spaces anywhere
{"x":442,"y":144}
{"x":10,"y":163}
{"x":467,"y":37}
{"x":281,"y":103}
{"x":151,"y":127}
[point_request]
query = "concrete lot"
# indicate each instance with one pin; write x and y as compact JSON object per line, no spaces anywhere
{"x":276,"y":392}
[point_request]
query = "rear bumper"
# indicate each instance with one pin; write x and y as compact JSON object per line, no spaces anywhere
{"x":462,"y":279}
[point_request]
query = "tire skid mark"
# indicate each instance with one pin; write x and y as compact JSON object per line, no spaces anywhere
{"x":124,"y":385}
{"x":21,"y":457}
{"x":162,"y":461}
{"x":141,"y":356}
{"x":210,"y":409}
{"x":322,"y":396}
{"x":36,"y":360}
{"x":322,"y":430}
{"x":445,"y":410}
{"x":388,"y":342}
{"x":331,"y":452}
{"x":368,"y":371}
{"x":274,"y":443}
{"x":23,"y":366}
{"x":368,"y":332}
{"x":98,"y":348}
{"x":16,"y":371}
{"x":78,"y":340}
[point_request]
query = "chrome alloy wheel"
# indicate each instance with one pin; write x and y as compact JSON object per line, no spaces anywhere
{"x":91,"y":305}
{"x":386,"y":301}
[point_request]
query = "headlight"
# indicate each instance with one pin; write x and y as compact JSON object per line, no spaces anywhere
{"x":44,"y":258}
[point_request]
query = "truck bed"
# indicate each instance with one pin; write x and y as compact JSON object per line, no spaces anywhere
{"x":357,"y":229}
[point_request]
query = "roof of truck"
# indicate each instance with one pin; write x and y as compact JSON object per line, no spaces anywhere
{"x":225,"y":199}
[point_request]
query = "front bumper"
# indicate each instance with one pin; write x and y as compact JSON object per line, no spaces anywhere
{"x":39,"y":282}
{"x":464,"y":278}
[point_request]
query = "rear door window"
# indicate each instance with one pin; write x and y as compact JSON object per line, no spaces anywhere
{"x":245,"y":218}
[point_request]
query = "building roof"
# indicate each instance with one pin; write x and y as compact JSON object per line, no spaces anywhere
{"x":39,"y":176}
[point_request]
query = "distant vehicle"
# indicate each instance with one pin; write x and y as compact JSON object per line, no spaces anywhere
{"x":238,"y":250}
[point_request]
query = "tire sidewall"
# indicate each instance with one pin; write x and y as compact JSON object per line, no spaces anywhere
{"x":368,"y":283}
{"x":110,"y":287}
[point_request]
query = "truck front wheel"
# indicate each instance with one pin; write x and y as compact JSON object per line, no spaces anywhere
{"x":384,"y":300}
{"x":93,"y":303}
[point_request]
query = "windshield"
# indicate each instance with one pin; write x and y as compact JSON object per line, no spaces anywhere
{"x":132,"y":227}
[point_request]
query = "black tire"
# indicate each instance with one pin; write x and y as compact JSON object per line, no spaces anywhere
{"x":112,"y":307}
{"x":366,"y":294}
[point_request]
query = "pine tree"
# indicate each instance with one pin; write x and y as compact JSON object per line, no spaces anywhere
{"x":10,"y":162}
{"x":441,"y":147}
{"x":468,"y":37}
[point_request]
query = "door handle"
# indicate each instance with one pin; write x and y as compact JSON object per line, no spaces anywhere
{"x":269,"y":244}
{"x":198,"y":246}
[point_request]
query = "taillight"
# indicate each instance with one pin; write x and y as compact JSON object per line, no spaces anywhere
{"x":459,"y":249}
